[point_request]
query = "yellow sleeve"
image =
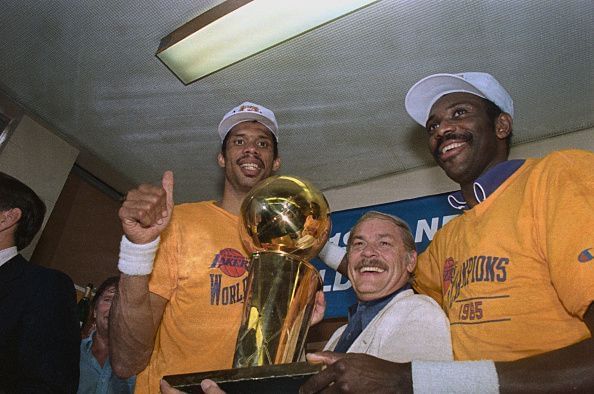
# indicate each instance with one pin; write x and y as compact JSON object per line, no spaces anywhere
{"x":565,"y":222}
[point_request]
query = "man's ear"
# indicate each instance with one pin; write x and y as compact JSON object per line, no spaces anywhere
{"x":412,"y":261}
{"x":276,"y":164}
{"x":221,"y":160}
{"x":503,"y":125}
{"x":10,"y":217}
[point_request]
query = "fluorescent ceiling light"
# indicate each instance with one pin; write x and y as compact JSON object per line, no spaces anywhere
{"x":237,"y":29}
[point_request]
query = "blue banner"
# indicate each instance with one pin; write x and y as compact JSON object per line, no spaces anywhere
{"x":424,"y":215}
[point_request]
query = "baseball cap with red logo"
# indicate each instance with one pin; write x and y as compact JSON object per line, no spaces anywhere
{"x":248,"y":112}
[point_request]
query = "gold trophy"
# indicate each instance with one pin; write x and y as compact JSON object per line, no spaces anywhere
{"x":285,"y":221}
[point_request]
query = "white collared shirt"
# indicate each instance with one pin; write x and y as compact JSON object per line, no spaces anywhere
{"x":7,"y":254}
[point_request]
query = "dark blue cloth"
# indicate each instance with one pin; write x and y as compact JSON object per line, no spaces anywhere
{"x":360,"y":315}
{"x":97,"y":380}
{"x":487,"y":183}
{"x":39,"y":329}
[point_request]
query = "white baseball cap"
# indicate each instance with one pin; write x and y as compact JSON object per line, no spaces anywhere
{"x":423,"y":94}
{"x":245,"y":112}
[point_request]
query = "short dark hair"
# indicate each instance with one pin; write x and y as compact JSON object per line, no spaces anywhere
{"x":493,"y":111}
{"x":112,"y":281}
{"x":274,"y":143}
{"x":15,"y":194}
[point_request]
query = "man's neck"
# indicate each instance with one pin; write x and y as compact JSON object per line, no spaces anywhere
{"x":232,"y":199}
{"x":467,"y":188}
{"x":100,"y":347}
{"x":6,"y":239}
{"x":468,"y":193}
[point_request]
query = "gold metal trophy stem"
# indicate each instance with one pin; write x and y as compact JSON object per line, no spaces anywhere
{"x":279,"y":301}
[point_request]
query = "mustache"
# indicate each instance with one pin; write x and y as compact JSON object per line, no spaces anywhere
{"x":250,"y":156}
{"x":463,"y":136}
{"x":371,"y":263}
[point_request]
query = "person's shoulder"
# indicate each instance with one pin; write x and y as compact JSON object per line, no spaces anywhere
{"x":41,"y":286}
{"x":194,"y":206}
{"x":57,"y":276}
{"x":444,"y":234}
{"x":49,"y":279}
{"x":409,"y":306}
{"x":420,"y":301}
{"x":34,"y":270}
{"x":564,"y":165}
{"x":567,"y":156}
{"x":189,"y":210}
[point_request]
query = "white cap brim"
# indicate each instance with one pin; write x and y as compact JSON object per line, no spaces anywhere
{"x":423,"y":94}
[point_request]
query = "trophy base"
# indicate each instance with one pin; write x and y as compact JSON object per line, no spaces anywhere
{"x":281,"y":378}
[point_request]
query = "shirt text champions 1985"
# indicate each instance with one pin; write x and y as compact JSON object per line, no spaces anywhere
{"x":507,"y":272}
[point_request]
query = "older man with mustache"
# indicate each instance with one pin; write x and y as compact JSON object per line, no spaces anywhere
{"x":389,"y":320}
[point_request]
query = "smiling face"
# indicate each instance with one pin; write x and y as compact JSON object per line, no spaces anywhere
{"x":464,"y":141}
{"x":378,"y":261}
{"x":248,"y":157}
{"x":101,"y":312}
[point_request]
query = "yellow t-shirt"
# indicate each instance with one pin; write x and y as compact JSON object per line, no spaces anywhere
{"x":201,"y":269}
{"x":514,"y":274}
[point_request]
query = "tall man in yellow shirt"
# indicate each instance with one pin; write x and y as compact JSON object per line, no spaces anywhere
{"x":183,"y":268}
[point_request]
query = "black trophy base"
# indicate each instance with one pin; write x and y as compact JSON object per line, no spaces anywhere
{"x":282,"y":378}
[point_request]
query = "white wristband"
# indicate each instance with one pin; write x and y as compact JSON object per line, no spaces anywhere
{"x":332,"y":254}
{"x":455,"y":377}
{"x":137,"y":259}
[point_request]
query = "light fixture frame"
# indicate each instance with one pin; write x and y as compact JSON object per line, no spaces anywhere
{"x":187,"y":37}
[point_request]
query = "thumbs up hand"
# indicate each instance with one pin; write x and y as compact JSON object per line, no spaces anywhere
{"x":147,"y":210}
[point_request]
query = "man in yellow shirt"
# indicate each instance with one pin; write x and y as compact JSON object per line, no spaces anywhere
{"x":183,"y":268}
{"x":514,"y":273}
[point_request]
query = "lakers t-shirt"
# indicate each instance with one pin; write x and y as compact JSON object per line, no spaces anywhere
{"x":201,"y":268}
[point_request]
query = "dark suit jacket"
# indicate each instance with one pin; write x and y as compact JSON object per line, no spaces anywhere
{"x":39,"y":329}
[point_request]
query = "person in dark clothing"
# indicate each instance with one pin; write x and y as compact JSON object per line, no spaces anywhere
{"x":39,"y":329}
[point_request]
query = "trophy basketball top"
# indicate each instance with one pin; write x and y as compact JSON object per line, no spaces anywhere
{"x":285,"y":214}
